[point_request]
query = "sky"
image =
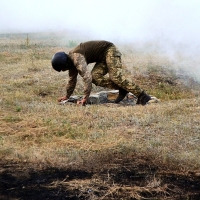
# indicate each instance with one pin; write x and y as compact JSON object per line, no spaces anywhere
{"x":177,"y":20}
{"x":168,"y":22}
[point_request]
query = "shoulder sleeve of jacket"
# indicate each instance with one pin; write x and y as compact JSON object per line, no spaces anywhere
{"x":81,"y":65}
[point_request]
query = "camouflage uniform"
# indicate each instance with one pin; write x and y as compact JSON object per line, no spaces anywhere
{"x":111,"y":64}
{"x":81,"y":68}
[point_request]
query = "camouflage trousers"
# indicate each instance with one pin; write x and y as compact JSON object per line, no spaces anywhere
{"x":110,"y":73}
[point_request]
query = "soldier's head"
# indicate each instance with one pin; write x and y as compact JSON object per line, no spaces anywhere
{"x":60,"y":61}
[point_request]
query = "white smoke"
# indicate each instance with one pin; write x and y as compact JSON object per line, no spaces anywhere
{"x":170,"y":26}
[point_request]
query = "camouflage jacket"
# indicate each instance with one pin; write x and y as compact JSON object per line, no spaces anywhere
{"x":81,"y":56}
{"x":80,"y":68}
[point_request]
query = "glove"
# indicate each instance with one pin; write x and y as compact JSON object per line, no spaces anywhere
{"x":82,"y":102}
{"x":62,"y":98}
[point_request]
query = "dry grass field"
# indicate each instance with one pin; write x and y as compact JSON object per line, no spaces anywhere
{"x":107,"y":151}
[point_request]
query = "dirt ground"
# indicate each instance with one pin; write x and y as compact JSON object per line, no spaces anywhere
{"x":115,"y":181}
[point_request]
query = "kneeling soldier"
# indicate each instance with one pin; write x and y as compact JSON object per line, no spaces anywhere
{"x":108,"y":61}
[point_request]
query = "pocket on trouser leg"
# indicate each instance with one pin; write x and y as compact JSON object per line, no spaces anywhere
{"x":113,"y":55}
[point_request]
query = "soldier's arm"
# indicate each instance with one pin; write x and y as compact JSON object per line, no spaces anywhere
{"x":72,"y":81}
{"x":81,"y":65}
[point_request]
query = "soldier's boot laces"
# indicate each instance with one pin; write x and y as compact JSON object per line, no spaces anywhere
{"x":121,"y":96}
{"x":143,"y":98}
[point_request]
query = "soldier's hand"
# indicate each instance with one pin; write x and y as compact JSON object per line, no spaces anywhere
{"x":82,"y":102}
{"x":62,"y":99}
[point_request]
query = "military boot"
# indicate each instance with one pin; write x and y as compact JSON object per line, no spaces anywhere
{"x":121,"y":96}
{"x":143,"y":98}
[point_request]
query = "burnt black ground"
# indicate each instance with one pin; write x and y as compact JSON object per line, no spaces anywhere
{"x":25,"y":182}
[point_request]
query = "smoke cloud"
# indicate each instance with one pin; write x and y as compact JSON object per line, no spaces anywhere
{"x":172,"y":25}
